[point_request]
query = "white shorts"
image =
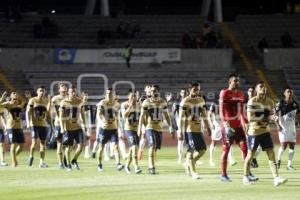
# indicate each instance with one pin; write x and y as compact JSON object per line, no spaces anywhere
{"x":216,"y":134}
{"x":287,"y":136}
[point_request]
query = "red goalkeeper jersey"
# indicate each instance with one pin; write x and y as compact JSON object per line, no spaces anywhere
{"x":232,"y":107}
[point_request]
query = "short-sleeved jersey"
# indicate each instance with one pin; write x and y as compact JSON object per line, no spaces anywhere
{"x":287,"y":115}
{"x":56,"y":101}
{"x":154,"y":110}
{"x":259,"y":110}
{"x":71,"y":110}
{"x":39,"y":111}
{"x":131,"y":121}
{"x":108,"y":114}
{"x":14,"y":115}
{"x":231,"y":105}
{"x":193,"y":109}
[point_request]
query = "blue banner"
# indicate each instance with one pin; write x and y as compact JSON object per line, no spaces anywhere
{"x":64,"y":56}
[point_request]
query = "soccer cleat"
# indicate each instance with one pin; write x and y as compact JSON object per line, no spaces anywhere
{"x":138,"y":170}
{"x":225,"y":178}
{"x":43,"y":165}
{"x":120,"y":167}
{"x":278,"y":164}
{"x":94,"y":155}
{"x":127,"y":169}
{"x":254,"y":163}
{"x":212,"y":163}
{"x":199,"y":162}
{"x":252,"y":177}
{"x":87,"y":156}
{"x":30,"y":161}
{"x":247,"y":180}
{"x":69,"y":168}
{"x":290,"y":167}
{"x":279,"y":181}
{"x":151,"y":171}
{"x":3,"y":163}
{"x":195,"y":176}
{"x":75,"y":164}
{"x":100,"y":168}
{"x":233,"y":163}
{"x":61,"y":166}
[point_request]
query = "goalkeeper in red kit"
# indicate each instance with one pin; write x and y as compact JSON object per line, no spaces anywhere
{"x":233,"y":121}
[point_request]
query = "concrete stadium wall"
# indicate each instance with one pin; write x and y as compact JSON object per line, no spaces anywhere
{"x":19,"y":58}
{"x":275,"y":59}
{"x":208,"y":58}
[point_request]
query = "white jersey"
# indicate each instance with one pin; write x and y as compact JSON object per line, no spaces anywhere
{"x":287,"y":118}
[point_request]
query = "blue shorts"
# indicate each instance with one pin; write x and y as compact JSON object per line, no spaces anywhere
{"x":154,"y":138}
{"x":39,"y":132}
{"x":57,"y":133}
{"x":194,"y":141}
{"x":70,"y":136}
{"x":264,"y":140}
{"x":2,"y":136}
{"x":16,"y":136}
{"x":132,"y":138}
{"x":107,"y":135}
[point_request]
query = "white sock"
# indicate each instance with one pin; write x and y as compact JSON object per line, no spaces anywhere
{"x":122,"y":148}
{"x":257,"y":152}
{"x":107,"y":151}
{"x":280,"y":152}
{"x":180,"y":149}
{"x":230,"y":155}
{"x":87,"y":151}
{"x":291,"y":156}
{"x":212,"y":149}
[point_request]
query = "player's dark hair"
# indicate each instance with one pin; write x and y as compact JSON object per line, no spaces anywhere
{"x":252,"y":87}
{"x":232,"y":75}
{"x":41,"y":87}
{"x":287,"y":88}
{"x":131,"y":91}
{"x":109,"y":88}
{"x":156,"y":87}
{"x":259,"y":83}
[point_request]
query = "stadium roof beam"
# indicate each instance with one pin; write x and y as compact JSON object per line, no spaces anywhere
{"x":104,"y":7}
{"x":218,"y":12}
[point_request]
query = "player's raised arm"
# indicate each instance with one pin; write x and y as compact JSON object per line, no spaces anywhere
{"x":142,"y":119}
{"x":62,"y":117}
{"x":205,"y":120}
{"x":181,"y":119}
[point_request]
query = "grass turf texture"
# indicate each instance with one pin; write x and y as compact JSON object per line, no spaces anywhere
{"x":171,"y":182}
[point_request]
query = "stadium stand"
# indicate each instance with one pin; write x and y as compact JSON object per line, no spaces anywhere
{"x":78,"y":31}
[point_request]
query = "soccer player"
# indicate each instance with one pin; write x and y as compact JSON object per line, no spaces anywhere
{"x":231,"y":103}
{"x":131,"y":112}
{"x":87,"y":109}
{"x":192,"y":111}
{"x":56,"y":101}
{"x":175,"y":114}
{"x":153,"y":110}
{"x":71,"y":110}
{"x":254,"y":163}
{"x":143,"y":141}
{"x":287,"y":110}
{"x":37,"y":118}
{"x":216,"y":136}
{"x":2,"y":128}
{"x":260,"y":111}
{"x":14,"y":125}
{"x":107,"y":115}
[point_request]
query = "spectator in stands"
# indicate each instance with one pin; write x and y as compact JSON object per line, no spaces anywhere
{"x":263,"y":44}
{"x":137,"y":31}
{"x":199,"y":41}
{"x":187,"y":41}
{"x":205,"y":30}
{"x":286,"y":40}
{"x":123,"y":29}
{"x":211,"y":40}
{"x":127,"y":54}
{"x":46,"y":29}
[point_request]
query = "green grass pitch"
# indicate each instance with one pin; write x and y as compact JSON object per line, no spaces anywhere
{"x":171,"y":183}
